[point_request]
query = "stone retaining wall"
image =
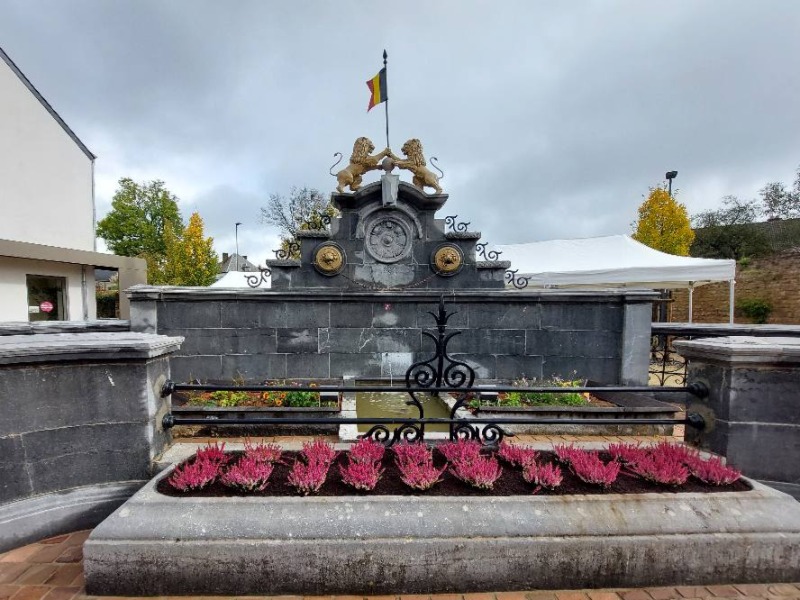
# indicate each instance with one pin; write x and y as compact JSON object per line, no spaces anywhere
{"x":775,"y":279}
{"x":317,"y":334}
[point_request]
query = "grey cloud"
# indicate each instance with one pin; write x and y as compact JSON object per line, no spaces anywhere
{"x":550,"y":121}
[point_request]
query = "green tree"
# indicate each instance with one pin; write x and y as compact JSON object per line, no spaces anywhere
{"x":779,"y":202}
{"x":304,"y":209}
{"x":663,"y":224}
{"x":728,"y":232}
{"x":190,"y":258}
{"x":140,"y":214}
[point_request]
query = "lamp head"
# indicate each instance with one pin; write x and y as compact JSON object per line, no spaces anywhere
{"x":671,"y":174}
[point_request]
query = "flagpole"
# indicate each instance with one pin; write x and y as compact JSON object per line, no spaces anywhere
{"x":387,"y":97}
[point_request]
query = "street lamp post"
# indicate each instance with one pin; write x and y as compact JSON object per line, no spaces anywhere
{"x":670,"y":176}
{"x":237,"y":246}
{"x":662,"y":309}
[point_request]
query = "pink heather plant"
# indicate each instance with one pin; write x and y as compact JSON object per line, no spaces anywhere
{"x":194,"y":476}
{"x":629,"y":454}
{"x":249,"y":475}
{"x":675,"y":452}
{"x":479,"y":471}
{"x":589,"y":468}
{"x":215,"y":454}
{"x":412,"y":454}
{"x":420,"y":476}
{"x":542,"y":475}
{"x":565,"y":453}
{"x":460,"y":450}
{"x":319,"y":451}
{"x":308,"y":478}
{"x":662,"y":468}
{"x":515,"y":455}
{"x":366,"y":450}
{"x":264,"y":453}
{"x":714,"y":471}
{"x":361,"y":475}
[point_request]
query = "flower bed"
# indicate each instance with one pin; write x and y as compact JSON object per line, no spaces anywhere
{"x":451,"y":469}
{"x":456,"y":537}
{"x":271,"y":399}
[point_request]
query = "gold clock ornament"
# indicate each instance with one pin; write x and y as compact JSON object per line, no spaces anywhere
{"x":448,"y":260}
{"x":329,"y":259}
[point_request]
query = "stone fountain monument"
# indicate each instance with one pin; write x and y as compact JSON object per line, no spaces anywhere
{"x":351,"y":299}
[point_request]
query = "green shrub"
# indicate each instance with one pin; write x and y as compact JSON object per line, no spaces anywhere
{"x":300,"y":399}
{"x":546,"y":398}
{"x":107,"y":304}
{"x":755,"y":309}
{"x":229,"y":399}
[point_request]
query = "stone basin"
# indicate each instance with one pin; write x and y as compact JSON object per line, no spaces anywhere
{"x":159,"y":545}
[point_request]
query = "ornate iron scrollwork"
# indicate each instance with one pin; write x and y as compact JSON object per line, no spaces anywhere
{"x":450,"y":221}
{"x":262,"y":276}
{"x":323,"y":218}
{"x":518,"y":281}
{"x":490,"y":255}
{"x":292,"y":249}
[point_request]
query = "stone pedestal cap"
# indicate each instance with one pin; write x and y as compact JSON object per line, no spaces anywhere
{"x":742,"y":349}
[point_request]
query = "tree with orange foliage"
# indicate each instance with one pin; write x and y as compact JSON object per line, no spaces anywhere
{"x":191,"y":259}
{"x":664,"y":224}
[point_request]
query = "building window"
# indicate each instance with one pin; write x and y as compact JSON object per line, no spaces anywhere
{"x":46,"y":300}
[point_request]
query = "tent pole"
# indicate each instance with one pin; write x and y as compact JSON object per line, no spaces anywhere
{"x":691,"y":292}
{"x":731,"y":287}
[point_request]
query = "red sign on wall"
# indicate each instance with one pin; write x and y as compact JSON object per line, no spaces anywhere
{"x":46,"y":306}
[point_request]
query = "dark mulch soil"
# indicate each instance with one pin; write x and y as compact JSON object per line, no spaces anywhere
{"x":510,"y":483}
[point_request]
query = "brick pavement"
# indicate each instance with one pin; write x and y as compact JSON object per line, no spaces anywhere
{"x":51,"y":570}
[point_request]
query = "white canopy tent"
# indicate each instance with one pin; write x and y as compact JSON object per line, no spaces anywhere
{"x":614,"y":261}
{"x":238,"y":279}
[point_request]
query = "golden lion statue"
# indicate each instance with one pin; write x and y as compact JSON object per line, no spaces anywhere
{"x":360,"y":162}
{"x":415,"y":162}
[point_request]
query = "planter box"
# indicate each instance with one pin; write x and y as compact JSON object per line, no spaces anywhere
{"x":158,"y":545}
{"x":628,"y":406}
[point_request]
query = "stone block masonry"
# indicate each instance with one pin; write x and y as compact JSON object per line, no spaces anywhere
{"x":320,"y":334}
{"x":81,"y":426}
{"x":753,"y":408}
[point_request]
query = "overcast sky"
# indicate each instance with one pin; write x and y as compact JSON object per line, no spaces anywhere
{"x":550,"y":119}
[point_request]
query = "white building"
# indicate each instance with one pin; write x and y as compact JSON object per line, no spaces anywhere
{"x":47,"y":212}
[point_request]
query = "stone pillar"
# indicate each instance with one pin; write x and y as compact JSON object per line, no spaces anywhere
{"x":753,"y":408}
{"x":80,"y":429}
{"x":635,"y":350}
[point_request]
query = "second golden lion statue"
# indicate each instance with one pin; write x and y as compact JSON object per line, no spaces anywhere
{"x":360,"y":162}
{"x":415,"y":162}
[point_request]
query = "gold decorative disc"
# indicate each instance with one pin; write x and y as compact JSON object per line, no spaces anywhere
{"x":447,"y":259}
{"x":329,"y":259}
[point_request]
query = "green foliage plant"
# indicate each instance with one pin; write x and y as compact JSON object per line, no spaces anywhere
{"x":546,"y":398}
{"x":227,"y":399}
{"x":755,"y":309}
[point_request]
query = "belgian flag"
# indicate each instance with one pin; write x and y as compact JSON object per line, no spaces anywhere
{"x":377,"y":88}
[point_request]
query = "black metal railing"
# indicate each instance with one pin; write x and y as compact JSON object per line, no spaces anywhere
{"x":440,"y":374}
